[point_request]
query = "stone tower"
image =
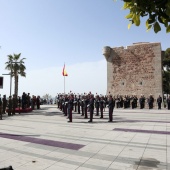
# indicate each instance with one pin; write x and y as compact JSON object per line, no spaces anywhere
{"x":134,"y":70}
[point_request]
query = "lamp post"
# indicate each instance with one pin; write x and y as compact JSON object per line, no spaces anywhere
{"x":11,"y":75}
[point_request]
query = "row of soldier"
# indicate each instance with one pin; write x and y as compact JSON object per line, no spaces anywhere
{"x":85,"y":104}
{"x":25,"y":101}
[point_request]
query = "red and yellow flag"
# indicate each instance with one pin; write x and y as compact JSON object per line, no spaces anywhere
{"x":64,"y":71}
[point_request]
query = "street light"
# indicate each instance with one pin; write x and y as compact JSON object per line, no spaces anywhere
{"x":11,"y":75}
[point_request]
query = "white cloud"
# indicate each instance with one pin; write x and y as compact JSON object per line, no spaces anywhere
{"x":82,"y":77}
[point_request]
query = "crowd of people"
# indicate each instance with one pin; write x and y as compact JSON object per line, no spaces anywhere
{"x":82,"y":104}
{"x":9,"y":105}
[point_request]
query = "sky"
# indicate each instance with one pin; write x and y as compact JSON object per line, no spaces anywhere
{"x":49,"y":33}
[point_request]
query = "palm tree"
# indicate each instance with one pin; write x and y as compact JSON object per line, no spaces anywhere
{"x":16,"y":67}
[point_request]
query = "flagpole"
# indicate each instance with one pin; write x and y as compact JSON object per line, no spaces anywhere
{"x":64,"y":84}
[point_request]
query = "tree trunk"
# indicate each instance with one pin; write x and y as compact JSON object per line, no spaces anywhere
{"x":16,"y":84}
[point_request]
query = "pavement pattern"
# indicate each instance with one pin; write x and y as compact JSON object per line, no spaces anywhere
{"x":44,"y":140}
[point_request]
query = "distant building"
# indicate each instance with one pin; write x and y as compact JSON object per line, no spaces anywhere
{"x":135,"y":69}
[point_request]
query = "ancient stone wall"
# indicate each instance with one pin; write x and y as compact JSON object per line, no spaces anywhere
{"x":134,"y":70}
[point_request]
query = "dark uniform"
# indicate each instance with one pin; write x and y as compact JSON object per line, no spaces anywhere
{"x":70,"y":108}
{"x":0,"y":108}
{"x":101,"y":104}
{"x":150,"y":102}
{"x":168,"y":102}
{"x":91,"y":107}
{"x":14,"y":104}
{"x":142,"y":102}
{"x":9,"y":106}
{"x":97,"y":105}
{"x":4,"y":101}
{"x":159,"y":101}
{"x":111,"y":107}
{"x":78,"y":104}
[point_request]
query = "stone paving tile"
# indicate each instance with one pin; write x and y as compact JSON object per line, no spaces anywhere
{"x":104,"y":148}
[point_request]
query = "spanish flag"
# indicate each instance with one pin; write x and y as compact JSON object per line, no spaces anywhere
{"x":64,"y":71}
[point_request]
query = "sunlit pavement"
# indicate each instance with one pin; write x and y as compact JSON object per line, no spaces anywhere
{"x":44,"y":140}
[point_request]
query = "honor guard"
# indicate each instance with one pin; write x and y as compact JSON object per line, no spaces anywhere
{"x":101,"y":104}
{"x":91,"y":107}
{"x":4,"y":104}
{"x":78,"y":104}
{"x":159,"y":102}
{"x":111,"y":107}
{"x":9,"y":106}
{"x":0,"y":108}
{"x":97,"y":105}
{"x":168,"y":102}
{"x":70,"y":107}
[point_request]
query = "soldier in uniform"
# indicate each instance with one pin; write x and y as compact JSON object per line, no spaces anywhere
{"x":14,"y":104}
{"x":79,"y":104}
{"x":101,"y":104}
{"x":111,"y":107}
{"x":86,"y":102}
{"x":70,"y":107}
{"x":9,"y":106}
{"x":91,"y":107}
{"x":168,"y":102}
{"x":4,"y":101}
{"x":97,"y":105}
{"x":75,"y":103}
{"x":82,"y":106}
{"x":0,"y":108}
{"x":159,"y":102}
{"x":142,"y":101}
{"x":150,"y":101}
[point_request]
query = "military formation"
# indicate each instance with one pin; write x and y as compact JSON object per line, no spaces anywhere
{"x":14,"y":102}
{"x":87,"y":104}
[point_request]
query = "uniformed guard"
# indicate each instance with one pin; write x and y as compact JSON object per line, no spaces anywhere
{"x":70,"y":107}
{"x":168,"y":102}
{"x":150,"y":101}
{"x":97,"y":105}
{"x":159,"y":102}
{"x":111,"y":107}
{"x":4,"y":104}
{"x":91,"y":107}
{"x":75,"y":103}
{"x":0,"y":108}
{"x":14,"y":104}
{"x":86,"y":102}
{"x":79,"y":104}
{"x":9,"y":106}
{"x":82,"y":106}
{"x":101,"y":104}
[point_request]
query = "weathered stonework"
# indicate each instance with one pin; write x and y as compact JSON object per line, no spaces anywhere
{"x":134,"y":70}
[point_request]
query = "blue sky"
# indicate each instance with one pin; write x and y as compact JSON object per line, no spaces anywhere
{"x":51,"y":32}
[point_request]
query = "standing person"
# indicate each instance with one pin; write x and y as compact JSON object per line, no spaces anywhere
{"x":38,"y":102}
{"x":14,"y":104}
{"x":0,"y":108}
{"x":82,"y":106}
{"x":111,"y":107}
{"x":91,"y":107}
{"x":150,"y":101}
{"x":86,"y":102}
{"x":97,"y":105}
{"x":75,"y":103}
{"x":9,"y":106}
{"x":4,"y":104}
{"x":24,"y":100}
{"x":159,"y":102}
{"x":79,"y":104}
{"x":168,"y":102}
{"x":101,"y":104}
{"x":70,"y":107}
{"x":142,"y":101}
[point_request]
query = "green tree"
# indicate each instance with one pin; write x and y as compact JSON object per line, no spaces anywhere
{"x":156,"y":11}
{"x":16,"y":67}
{"x":166,"y":71}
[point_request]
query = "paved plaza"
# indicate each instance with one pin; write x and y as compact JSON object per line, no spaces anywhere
{"x":43,"y":140}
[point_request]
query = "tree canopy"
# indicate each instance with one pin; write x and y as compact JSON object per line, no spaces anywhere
{"x":157,"y":13}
